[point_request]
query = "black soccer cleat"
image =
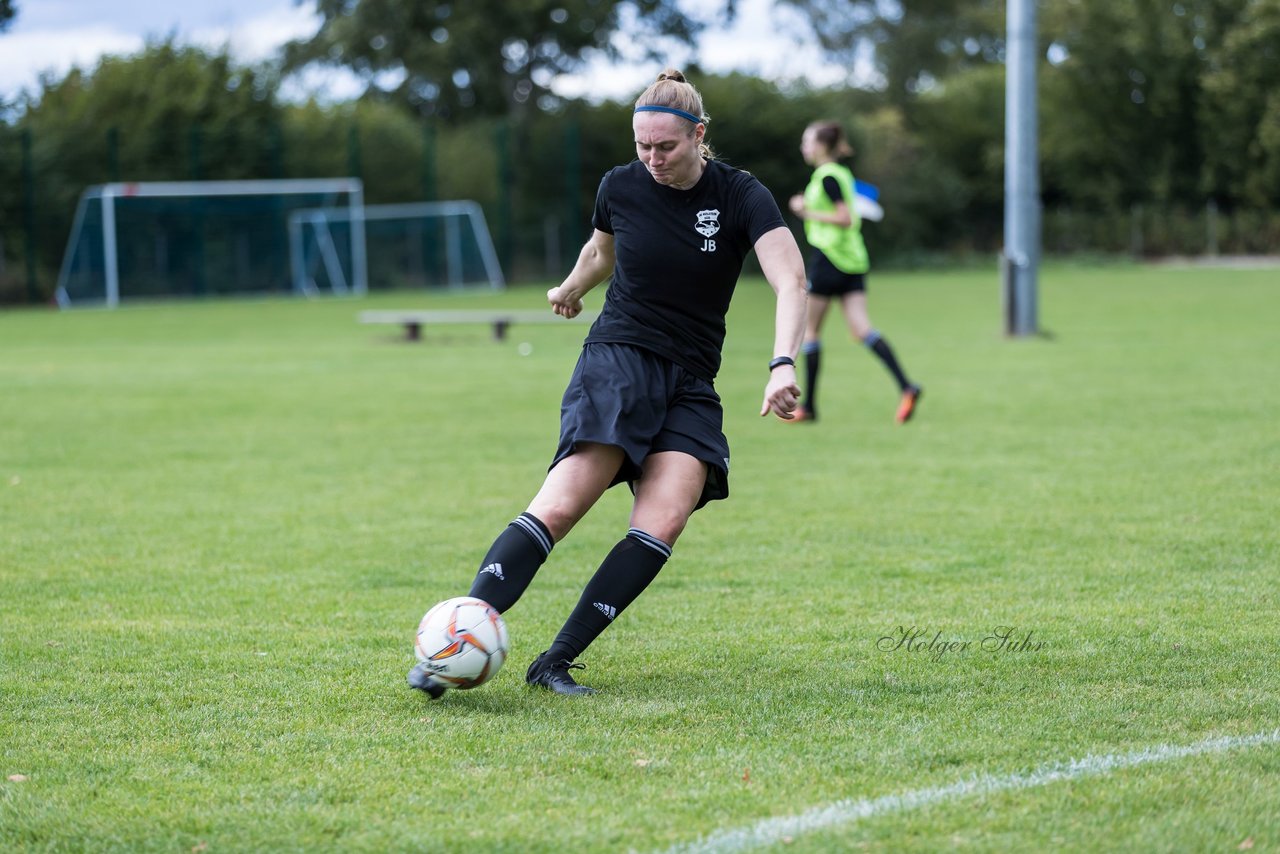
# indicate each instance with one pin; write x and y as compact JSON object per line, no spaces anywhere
{"x":554,"y":675}
{"x":419,"y":678}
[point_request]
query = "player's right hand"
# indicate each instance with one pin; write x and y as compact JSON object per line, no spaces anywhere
{"x":563,"y":302}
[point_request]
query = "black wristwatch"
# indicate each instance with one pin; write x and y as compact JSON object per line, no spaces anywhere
{"x":782,"y":360}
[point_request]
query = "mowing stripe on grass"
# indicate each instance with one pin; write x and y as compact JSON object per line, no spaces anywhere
{"x":771,"y":831}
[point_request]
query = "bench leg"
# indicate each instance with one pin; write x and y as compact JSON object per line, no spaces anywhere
{"x":412,"y":331}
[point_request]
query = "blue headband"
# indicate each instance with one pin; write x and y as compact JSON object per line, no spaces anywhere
{"x":672,"y":110}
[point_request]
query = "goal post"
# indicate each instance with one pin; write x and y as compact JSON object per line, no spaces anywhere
{"x":414,"y":244}
{"x":165,"y":238}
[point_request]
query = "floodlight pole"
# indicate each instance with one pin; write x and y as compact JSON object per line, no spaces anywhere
{"x":1021,"y":258}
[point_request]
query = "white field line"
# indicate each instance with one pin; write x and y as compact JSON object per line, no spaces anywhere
{"x":771,"y":831}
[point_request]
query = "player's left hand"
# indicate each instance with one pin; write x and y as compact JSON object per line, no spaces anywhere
{"x":782,"y":394}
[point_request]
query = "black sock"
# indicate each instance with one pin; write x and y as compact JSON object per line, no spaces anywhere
{"x":812,"y":363}
{"x":512,"y":561}
{"x":881,"y":348}
{"x":624,"y":574}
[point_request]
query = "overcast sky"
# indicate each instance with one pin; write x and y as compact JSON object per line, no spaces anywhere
{"x":53,"y":35}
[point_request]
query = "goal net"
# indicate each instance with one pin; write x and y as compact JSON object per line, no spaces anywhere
{"x":197,"y":238}
{"x":420,"y":244}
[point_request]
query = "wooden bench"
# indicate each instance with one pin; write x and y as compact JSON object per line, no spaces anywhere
{"x":500,"y":319}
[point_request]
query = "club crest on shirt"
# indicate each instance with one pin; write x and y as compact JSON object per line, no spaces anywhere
{"x":708,"y":223}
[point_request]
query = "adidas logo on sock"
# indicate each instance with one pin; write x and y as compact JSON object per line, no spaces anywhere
{"x":608,"y":610}
{"x":495,"y":569}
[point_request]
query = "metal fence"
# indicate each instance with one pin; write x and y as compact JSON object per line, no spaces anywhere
{"x":535,"y":185}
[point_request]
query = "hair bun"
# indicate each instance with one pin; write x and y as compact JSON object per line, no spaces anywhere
{"x":672,"y":74}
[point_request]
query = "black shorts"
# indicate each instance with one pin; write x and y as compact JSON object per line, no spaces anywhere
{"x":826,"y":280}
{"x":638,"y":401}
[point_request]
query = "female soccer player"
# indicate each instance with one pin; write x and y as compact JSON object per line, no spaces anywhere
{"x":839,"y":264}
{"x":672,"y":229}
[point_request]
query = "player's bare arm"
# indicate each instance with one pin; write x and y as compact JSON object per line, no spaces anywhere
{"x":594,"y":265}
{"x":783,"y":267}
{"x":840,"y":216}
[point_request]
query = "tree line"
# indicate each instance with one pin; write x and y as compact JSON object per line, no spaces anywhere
{"x":1158,"y":118}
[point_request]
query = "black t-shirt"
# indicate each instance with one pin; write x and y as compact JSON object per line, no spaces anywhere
{"x":832,"y":186}
{"x":679,"y":254}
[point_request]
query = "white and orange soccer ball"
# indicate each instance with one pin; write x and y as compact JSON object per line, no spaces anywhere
{"x":462,"y":642}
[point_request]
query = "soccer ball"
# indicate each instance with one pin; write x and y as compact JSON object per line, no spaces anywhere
{"x":462,"y":642}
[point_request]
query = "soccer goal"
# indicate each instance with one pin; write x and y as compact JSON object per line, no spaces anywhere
{"x":198,"y":238}
{"x":418,"y":244}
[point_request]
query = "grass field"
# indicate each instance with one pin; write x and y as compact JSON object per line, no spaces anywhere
{"x":220,"y":523}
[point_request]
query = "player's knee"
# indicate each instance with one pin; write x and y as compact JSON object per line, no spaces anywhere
{"x":559,"y":516}
{"x":665,"y":525}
